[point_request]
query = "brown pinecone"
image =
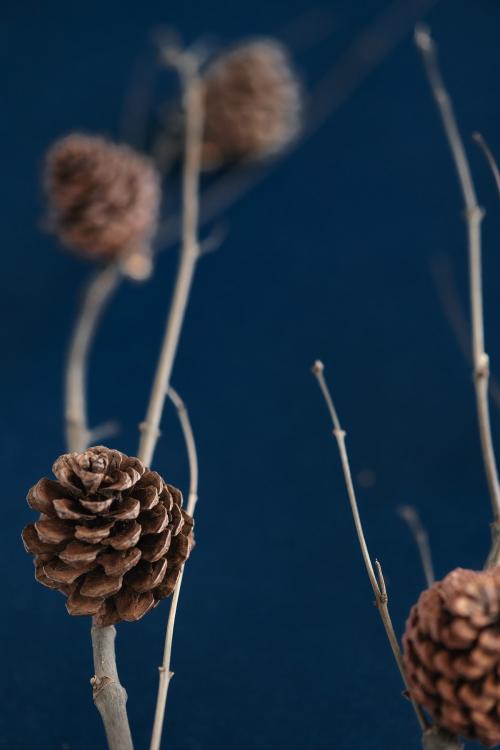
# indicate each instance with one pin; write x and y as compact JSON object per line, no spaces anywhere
{"x":252,"y":103}
{"x":452,"y":653}
{"x":103,"y":197}
{"x":111,"y":536}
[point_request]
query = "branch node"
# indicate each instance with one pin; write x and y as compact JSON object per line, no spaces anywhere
{"x":482,"y":368}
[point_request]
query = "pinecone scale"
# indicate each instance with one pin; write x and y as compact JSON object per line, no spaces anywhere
{"x":112,"y":535}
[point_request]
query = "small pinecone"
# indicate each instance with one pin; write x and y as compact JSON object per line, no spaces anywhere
{"x":252,"y":103}
{"x":452,"y":653}
{"x":103,"y":197}
{"x":111,"y":535}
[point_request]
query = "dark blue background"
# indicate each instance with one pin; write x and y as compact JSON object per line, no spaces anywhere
{"x":277,"y":644}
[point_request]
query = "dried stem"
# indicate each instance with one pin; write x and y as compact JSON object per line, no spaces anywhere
{"x":187,"y":65}
{"x":409,"y":514}
{"x":165,"y":673}
{"x":376,"y":579}
{"x":109,"y":696}
{"x":446,"y":286}
{"x":187,"y":432}
{"x":488,"y":154}
{"x":96,"y":296}
{"x":474,"y":215}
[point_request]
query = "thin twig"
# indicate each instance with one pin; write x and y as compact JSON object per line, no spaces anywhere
{"x":409,"y":514}
{"x":187,"y":65}
{"x":447,"y":289}
{"x":96,"y":296}
{"x":165,"y":673}
{"x":488,"y":154}
{"x":474,"y":215}
{"x":376,"y":579}
{"x":187,"y":432}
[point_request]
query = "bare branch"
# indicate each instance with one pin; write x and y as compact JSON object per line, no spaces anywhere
{"x":96,"y":296}
{"x":474,"y":216}
{"x":187,"y":66}
{"x":446,"y":286}
{"x":409,"y":514}
{"x":188,"y":435}
{"x":165,"y":673}
{"x":377,"y":580}
{"x":488,"y":154}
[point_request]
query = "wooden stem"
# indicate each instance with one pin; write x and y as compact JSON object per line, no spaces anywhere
{"x":409,"y":514}
{"x":376,"y":579}
{"x":110,"y":697}
{"x":187,"y":65}
{"x":165,"y":672}
{"x":474,"y":215}
{"x":96,"y":296}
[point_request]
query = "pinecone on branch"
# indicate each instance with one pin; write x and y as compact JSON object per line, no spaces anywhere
{"x":112,"y":535}
{"x":452,"y":653}
{"x":103,"y":198}
{"x":252,"y":102}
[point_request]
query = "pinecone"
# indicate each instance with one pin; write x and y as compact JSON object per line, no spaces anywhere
{"x":252,"y":103}
{"x":452,"y":653}
{"x":111,"y":535}
{"x":103,"y":198}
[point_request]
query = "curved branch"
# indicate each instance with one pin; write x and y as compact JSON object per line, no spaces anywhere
{"x":165,"y":673}
{"x":94,"y":301}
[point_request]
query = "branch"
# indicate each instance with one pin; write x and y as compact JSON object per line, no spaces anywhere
{"x":376,"y":579}
{"x":474,"y":215}
{"x":96,"y":296}
{"x":165,"y":673}
{"x":488,"y":154}
{"x":187,"y":432}
{"x":409,"y":514}
{"x":187,"y":66}
{"x":110,"y":697}
{"x":446,"y":286}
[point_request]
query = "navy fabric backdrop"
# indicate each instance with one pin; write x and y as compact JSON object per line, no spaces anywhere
{"x":277,"y":644}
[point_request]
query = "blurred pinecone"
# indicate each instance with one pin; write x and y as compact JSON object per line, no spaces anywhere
{"x":252,"y":103}
{"x":103,"y":198}
{"x":452,"y":653}
{"x":111,"y":536}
